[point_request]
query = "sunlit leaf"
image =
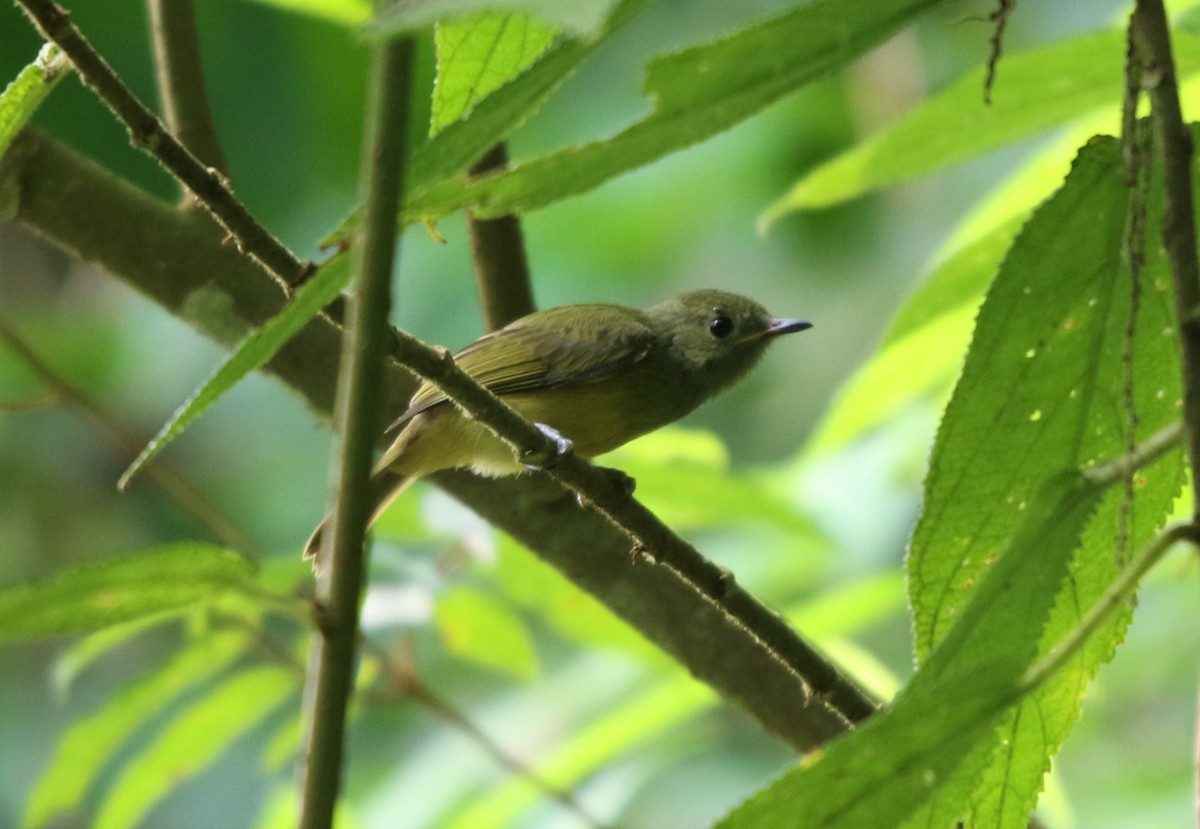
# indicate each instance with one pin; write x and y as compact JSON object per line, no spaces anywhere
{"x":583,"y":17}
{"x":87,"y":650}
{"x":493,"y":119}
{"x":192,"y":741}
{"x":21,"y":98}
{"x":120,"y":589}
{"x":250,"y":354}
{"x":479,"y":54}
{"x":90,"y":742}
{"x":1038,"y":89}
{"x":1043,"y":388}
{"x":476,"y":627}
{"x":699,"y":92}
{"x":344,"y":12}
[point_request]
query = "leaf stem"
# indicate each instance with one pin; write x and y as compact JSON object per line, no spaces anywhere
{"x":341,"y":564}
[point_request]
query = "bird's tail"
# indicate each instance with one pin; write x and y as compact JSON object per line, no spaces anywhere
{"x":386,"y":485}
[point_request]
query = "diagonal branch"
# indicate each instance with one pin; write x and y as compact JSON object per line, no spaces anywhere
{"x":175,"y":258}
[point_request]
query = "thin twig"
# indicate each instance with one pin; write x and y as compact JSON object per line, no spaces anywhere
{"x":171,"y":482}
{"x":149,"y":134}
{"x":180,"y":77}
{"x":341,"y":568}
{"x":1152,"y":41}
{"x":498,"y":252}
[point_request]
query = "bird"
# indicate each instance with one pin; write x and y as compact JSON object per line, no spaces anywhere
{"x":596,"y":375}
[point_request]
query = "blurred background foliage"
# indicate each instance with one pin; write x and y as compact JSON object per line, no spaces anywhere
{"x":812,"y":519}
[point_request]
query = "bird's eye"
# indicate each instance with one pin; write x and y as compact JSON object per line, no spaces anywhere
{"x":720,"y":327}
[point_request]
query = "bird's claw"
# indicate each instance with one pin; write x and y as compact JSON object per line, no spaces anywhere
{"x":541,"y":460}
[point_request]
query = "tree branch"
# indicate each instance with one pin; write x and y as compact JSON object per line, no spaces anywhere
{"x":1152,"y":41}
{"x":149,"y":134}
{"x":180,"y":77}
{"x":498,"y":252}
{"x":176,"y":259}
{"x":341,"y":564}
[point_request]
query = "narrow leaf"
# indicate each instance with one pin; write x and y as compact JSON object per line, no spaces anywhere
{"x":1038,"y":89}
{"x":121,"y":589}
{"x":479,"y":54}
{"x":21,"y":98}
{"x":344,"y":12}
{"x":700,"y":92}
{"x":584,"y":18}
{"x":192,"y":742}
{"x":90,"y":742}
{"x":259,"y":347}
{"x":493,"y":119}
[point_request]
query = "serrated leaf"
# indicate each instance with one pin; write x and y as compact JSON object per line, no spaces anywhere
{"x":700,"y":91}
{"x":881,"y":772}
{"x":90,"y":742}
{"x":479,"y":54}
{"x":584,"y":18}
{"x":493,"y":119}
{"x":192,"y":741}
{"x":476,"y":627}
{"x":1044,"y":388}
{"x":21,"y":98}
{"x":251,"y":354}
{"x":121,"y":589}
{"x":1037,"y":89}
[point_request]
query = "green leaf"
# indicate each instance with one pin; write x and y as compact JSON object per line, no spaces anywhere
{"x":21,"y":98}
{"x":493,"y":119}
{"x":585,"y":18}
{"x":476,"y":627}
{"x":957,"y":124}
{"x":254,"y":351}
{"x":1043,"y":388}
{"x":90,"y":742}
{"x":344,"y":12}
{"x":892,"y":764}
{"x":121,"y":589}
{"x":479,"y":54}
{"x":699,"y":92}
{"x":193,"y":741}
{"x":87,"y":650}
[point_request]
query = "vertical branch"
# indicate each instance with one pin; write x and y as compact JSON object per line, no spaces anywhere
{"x":1152,"y":41}
{"x":341,"y":562}
{"x":498,"y":250}
{"x":180,"y":78}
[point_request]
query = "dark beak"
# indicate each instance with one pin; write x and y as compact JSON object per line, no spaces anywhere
{"x":777,"y":327}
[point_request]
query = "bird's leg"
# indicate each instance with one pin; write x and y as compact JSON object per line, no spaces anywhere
{"x":541,"y":460}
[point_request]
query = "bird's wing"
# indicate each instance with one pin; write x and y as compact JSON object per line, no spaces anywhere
{"x":548,"y":350}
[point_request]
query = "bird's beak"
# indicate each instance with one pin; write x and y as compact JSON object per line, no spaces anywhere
{"x":777,"y":327}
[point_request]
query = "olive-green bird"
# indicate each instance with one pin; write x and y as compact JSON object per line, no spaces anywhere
{"x":598,"y":375}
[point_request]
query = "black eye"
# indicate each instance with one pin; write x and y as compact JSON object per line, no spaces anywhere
{"x":720,"y":327}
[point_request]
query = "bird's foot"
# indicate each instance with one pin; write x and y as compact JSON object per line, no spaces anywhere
{"x":546,"y":460}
